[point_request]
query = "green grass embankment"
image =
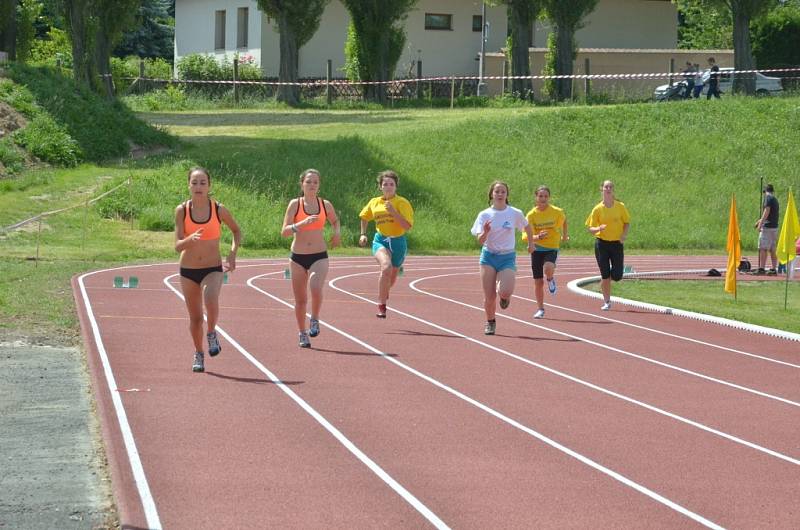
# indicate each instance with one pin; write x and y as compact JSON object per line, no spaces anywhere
{"x":675,"y":165}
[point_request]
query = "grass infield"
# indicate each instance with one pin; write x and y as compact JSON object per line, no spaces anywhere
{"x":757,"y":302}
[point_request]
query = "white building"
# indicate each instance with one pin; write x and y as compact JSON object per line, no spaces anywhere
{"x":444,"y":34}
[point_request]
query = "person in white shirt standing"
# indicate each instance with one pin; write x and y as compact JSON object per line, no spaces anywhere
{"x":495,"y":228}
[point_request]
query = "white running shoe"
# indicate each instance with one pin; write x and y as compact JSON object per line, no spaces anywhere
{"x":539,"y":314}
{"x":303,"y":341}
{"x":551,"y":285}
{"x":606,"y":306}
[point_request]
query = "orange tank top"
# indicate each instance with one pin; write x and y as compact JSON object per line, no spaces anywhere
{"x":301,"y":215}
{"x":211,"y":226}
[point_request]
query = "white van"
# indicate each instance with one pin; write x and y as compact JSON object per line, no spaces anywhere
{"x":765,"y":86}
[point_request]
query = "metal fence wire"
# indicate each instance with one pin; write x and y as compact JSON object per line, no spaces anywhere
{"x":617,"y":86}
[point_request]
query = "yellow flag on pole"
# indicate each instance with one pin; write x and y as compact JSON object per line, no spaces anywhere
{"x":790,"y":231}
{"x":734,"y":248}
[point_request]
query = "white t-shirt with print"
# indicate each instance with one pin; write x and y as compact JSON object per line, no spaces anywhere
{"x":504,"y":224}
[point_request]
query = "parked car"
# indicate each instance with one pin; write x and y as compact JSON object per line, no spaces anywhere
{"x":765,"y":85}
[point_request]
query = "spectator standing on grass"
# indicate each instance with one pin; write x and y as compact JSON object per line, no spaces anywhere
{"x":393,"y":216}
{"x":609,"y":223}
{"x":198,"y":225}
{"x":495,"y":229}
{"x":549,"y":228}
{"x":305,"y":220}
{"x":767,"y":226}
{"x":698,"y":81}
{"x":713,"y":79}
{"x":688,"y":76}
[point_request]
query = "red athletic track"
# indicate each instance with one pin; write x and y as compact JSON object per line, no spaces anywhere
{"x":578,"y":420}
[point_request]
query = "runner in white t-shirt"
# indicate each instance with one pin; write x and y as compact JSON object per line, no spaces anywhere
{"x":495,"y":228}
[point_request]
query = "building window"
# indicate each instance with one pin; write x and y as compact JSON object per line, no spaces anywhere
{"x":241,"y":27}
{"x":477,"y":23}
{"x":219,"y":30}
{"x":436,"y":21}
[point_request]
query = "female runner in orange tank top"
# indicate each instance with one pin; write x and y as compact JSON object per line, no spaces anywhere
{"x":197,"y":231}
{"x":305,"y":219}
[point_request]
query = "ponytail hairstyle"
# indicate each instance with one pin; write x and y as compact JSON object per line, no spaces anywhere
{"x":304,"y":174}
{"x":199,"y":169}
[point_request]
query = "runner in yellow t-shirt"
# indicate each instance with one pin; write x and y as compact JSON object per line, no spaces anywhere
{"x":549,"y":226}
{"x":393,"y":217}
{"x":609,"y":222}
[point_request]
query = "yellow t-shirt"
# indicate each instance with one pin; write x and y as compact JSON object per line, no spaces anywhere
{"x":551,"y":219}
{"x":614,"y":218}
{"x":384,"y":222}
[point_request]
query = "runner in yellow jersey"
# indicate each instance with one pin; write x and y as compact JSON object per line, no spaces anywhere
{"x":609,"y":223}
{"x":549,"y":227}
{"x":393,"y":216}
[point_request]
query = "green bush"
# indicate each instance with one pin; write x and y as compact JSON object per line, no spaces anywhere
{"x":199,"y":67}
{"x":49,"y":141}
{"x":102,"y":129}
{"x":549,"y":68}
{"x":123,"y":70}
{"x":10,"y":157}
{"x":49,"y":50}
{"x":171,"y":98}
{"x":776,"y":38}
{"x":18,"y":97}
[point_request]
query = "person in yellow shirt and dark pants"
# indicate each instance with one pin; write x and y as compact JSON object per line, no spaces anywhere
{"x":549,"y":227}
{"x":393,"y":216}
{"x":609,"y":223}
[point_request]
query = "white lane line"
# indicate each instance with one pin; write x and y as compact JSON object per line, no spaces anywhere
{"x":146,"y":497}
{"x":341,"y":438}
{"x":666,"y":333}
{"x":539,"y":436}
{"x":583,"y":382}
{"x":605,"y":346}
{"x":645,"y":328}
{"x":576,"y":286}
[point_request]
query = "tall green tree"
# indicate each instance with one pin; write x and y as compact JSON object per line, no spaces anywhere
{"x":566,"y":17}
{"x":28,"y":12}
{"x":153,"y":33}
{"x":743,"y":12}
{"x":522,"y":15}
{"x":80,"y":28}
{"x":776,"y":37}
{"x":8,"y":27}
{"x":297,"y":22}
{"x":704,"y":26}
{"x":113,"y":17}
{"x":377,"y":26}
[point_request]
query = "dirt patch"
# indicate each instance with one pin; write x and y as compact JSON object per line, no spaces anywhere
{"x":10,"y":119}
{"x":53,"y":461}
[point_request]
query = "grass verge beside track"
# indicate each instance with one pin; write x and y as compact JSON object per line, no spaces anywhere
{"x":757,"y":302}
